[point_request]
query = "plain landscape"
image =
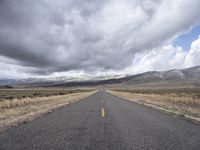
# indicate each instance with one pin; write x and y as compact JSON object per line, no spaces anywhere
{"x":98,"y":120}
{"x":22,"y":106}
{"x":155,"y":89}
{"x":100,"y":75}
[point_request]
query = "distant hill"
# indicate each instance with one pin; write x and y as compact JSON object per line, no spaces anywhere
{"x":177,"y":77}
{"x":189,"y":77}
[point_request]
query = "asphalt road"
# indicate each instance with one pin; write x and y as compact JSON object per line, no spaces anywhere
{"x":104,"y":122}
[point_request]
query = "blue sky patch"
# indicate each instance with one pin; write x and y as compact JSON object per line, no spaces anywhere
{"x":186,"y":39}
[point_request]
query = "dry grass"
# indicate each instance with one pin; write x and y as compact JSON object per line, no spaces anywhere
{"x":20,"y":93}
{"x":186,"y":106}
{"x":17,"y":111}
{"x":173,"y":99}
{"x":175,"y":96}
{"x":21,"y":97}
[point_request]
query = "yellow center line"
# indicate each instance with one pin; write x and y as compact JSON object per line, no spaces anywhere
{"x":102,"y":112}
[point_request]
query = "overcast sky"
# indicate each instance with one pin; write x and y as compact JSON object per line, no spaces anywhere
{"x":48,"y":37}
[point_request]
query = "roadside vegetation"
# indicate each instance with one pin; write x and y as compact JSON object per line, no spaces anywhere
{"x":35,"y":92}
{"x":20,"y":97}
{"x":189,"y":96}
{"x":23,"y":105}
{"x":184,"y":102}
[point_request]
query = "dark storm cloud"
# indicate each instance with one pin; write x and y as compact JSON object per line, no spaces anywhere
{"x":64,"y":35}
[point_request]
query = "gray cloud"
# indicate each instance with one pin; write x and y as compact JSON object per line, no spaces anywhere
{"x":66,"y":35}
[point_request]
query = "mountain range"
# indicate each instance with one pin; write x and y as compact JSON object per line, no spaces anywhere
{"x":189,"y":77}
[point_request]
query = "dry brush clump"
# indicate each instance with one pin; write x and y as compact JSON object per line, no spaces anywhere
{"x":24,"y":101}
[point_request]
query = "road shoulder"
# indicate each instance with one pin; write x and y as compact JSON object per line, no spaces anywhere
{"x":183,"y":111}
{"x":21,"y":114}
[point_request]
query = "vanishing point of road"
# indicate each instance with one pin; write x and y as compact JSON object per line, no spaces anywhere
{"x":103,"y":122}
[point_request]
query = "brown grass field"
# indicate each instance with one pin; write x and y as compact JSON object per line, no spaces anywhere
{"x":18,"y":97}
{"x":190,"y":96}
{"x":36,"y":92}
